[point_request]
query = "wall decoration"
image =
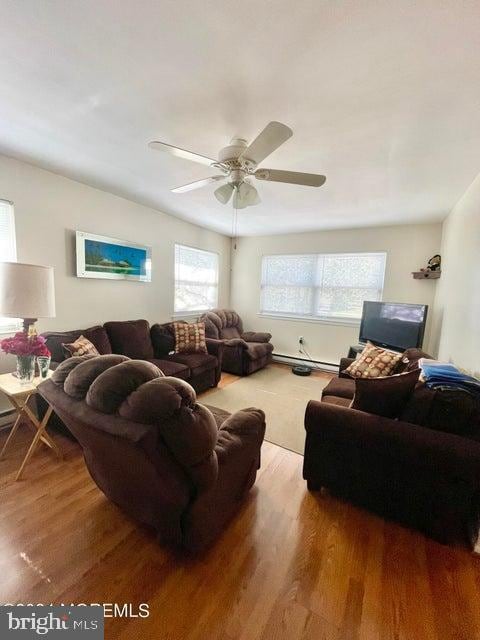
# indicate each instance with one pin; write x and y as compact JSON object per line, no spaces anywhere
{"x":103,"y":257}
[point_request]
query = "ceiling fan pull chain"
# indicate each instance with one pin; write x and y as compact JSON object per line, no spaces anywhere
{"x":234,"y":225}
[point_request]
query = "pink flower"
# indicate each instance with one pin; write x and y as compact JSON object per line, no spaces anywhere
{"x":22,"y":345}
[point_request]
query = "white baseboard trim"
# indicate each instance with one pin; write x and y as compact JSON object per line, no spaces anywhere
{"x":291,"y":360}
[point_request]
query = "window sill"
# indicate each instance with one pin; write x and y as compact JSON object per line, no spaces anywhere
{"x":188,"y":314}
{"x":344,"y":322}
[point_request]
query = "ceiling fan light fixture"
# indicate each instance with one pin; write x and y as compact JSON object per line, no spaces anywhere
{"x":238,"y":201}
{"x":224,"y":193}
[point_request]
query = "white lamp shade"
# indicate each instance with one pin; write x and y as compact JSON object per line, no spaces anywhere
{"x":26,"y":291}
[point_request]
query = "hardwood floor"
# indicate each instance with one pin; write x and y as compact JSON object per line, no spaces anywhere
{"x":291,"y":566}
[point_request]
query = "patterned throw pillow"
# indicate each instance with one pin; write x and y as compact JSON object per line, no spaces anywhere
{"x":374,"y":362}
{"x":81,"y":347}
{"x":190,"y":338}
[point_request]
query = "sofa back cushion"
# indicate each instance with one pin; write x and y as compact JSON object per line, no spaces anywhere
{"x":229,"y":333}
{"x":163,"y":339}
{"x":97,"y":336}
{"x":223,"y":324}
{"x":385,"y":396}
{"x":451,"y":411}
{"x":131,"y":338}
{"x":409,"y":360}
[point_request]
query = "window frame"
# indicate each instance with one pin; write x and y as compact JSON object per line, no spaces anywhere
{"x":11,"y":325}
{"x":323,"y":319}
{"x":194,"y":312}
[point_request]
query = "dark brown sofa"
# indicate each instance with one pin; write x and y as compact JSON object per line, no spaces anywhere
{"x":152,"y":449}
{"x":243,"y":352}
{"x":422,"y":470}
{"x":135,"y":339}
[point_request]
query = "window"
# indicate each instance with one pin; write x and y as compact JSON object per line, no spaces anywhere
{"x":8,"y":253}
{"x":196,"y":280}
{"x":331,"y":286}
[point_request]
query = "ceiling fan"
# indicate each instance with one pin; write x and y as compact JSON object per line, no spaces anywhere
{"x":238,"y":163}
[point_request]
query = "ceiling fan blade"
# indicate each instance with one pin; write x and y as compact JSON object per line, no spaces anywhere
{"x":197,"y":184}
{"x":274,"y":135}
{"x":224,"y":193}
{"x":181,"y":153}
{"x":291,"y":177}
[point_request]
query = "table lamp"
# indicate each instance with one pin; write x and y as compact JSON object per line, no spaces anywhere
{"x":26,"y":291}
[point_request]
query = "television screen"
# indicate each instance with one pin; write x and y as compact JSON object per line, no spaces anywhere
{"x":395,"y":325}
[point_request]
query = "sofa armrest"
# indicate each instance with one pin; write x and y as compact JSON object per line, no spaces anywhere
{"x":236,"y":342}
{"x":344,"y":363}
{"x":442,"y":454}
{"x":254,"y":336}
{"x":215,"y":347}
{"x":245,"y":429}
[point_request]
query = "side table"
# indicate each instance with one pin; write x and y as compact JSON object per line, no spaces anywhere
{"x":19,"y":395}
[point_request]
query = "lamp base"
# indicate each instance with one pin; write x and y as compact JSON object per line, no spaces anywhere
{"x":29,"y":326}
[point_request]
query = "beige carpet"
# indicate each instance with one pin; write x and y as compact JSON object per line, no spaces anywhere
{"x":282,"y":395}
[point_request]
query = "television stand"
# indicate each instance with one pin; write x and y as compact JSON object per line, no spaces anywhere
{"x":355,"y":349}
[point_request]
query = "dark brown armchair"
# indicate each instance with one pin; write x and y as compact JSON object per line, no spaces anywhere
{"x":153,"y":450}
{"x":243,"y":351}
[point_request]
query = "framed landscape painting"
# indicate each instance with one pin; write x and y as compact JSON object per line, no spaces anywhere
{"x":103,"y":257}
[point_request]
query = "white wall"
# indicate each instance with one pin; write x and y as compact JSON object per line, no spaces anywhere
{"x":457,"y":302}
{"x":49,"y":208}
{"x":408,"y":248}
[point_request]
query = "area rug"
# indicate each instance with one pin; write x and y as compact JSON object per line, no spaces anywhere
{"x":282,"y":395}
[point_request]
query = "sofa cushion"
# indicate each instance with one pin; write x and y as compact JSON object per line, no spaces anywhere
{"x":374,"y":362}
{"x":341,"y":402}
{"x":220,"y":415}
{"x":163,"y":340}
{"x":257,"y":350}
{"x":198,"y":363}
{"x":229,"y":333}
{"x":409,"y":360}
{"x":171,"y":368}
{"x":340,"y":387}
{"x":189,"y":337}
{"x":449,"y":410}
{"x":97,"y":336}
{"x":81,"y":347}
{"x":386,"y":396}
{"x":131,"y":338}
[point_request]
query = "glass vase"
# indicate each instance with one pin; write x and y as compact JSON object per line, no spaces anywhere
{"x":25,"y":369}
{"x":43,"y":365}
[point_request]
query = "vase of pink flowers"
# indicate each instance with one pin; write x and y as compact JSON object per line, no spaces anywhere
{"x":26,"y":347}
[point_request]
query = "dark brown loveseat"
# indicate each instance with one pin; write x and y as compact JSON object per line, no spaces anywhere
{"x":422,"y":470}
{"x":243,"y":351}
{"x":135,"y":339}
{"x":152,"y":449}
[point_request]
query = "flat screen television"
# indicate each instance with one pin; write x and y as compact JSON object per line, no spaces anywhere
{"x":394,"y":325}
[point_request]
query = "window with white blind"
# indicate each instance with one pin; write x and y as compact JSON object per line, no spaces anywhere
{"x":8,"y":253}
{"x":331,"y":286}
{"x":196,"y":280}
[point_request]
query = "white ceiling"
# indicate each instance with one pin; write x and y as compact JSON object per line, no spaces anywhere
{"x":383,"y":98}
